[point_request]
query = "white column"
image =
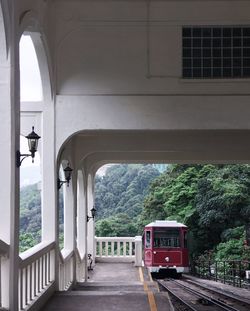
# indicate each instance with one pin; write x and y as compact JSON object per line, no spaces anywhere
{"x":7,"y":158}
{"x":138,"y":251}
{"x":81,"y":223}
{"x":49,"y":191}
{"x":14,"y":171}
{"x":81,"y":214}
{"x":90,"y":223}
{"x":68,"y":216}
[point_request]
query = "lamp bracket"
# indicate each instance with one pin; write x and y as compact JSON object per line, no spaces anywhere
{"x":88,"y":218}
{"x":20,"y":157}
{"x":61,"y":182}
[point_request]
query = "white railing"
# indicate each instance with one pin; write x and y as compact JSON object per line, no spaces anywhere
{"x":66,"y":269}
{"x":36,"y":273}
{"x":118,"y":249}
{"x":4,"y":252}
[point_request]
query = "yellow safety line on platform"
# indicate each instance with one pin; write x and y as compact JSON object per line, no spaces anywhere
{"x":145,"y":285}
{"x":141,"y":275}
{"x":151,"y":297}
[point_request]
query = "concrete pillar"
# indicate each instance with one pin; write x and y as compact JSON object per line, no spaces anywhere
{"x":14,"y":171}
{"x":81,"y":222}
{"x":90,"y":223}
{"x":81,"y":213}
{"x":138,"y":251}
{"x":69,"y":216}
{"x":7,"y":155}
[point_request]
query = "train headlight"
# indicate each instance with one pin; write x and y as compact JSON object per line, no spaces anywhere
{"x":167,"y":259}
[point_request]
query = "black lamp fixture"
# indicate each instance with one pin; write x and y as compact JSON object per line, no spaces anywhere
{"x":33,"y":144}
{"x":93,"y":211}
{"x":67,"y":173}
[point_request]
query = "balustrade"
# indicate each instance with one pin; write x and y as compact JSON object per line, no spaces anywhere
{"x":66,"y":269}
{"x":4,"y":252}
{"x":36,"y":273}
{"x":119,"y":249}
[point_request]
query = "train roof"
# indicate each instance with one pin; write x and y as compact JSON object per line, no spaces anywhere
{"x":166,"y":223}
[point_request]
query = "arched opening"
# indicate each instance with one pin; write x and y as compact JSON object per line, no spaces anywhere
{"x":30,"y":199}
{"x":30,"y":76}
{"x":31,"y":177}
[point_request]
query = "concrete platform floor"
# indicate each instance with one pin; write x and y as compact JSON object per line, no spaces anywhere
{"x":112,"y":287}
{"x":110,"y":272}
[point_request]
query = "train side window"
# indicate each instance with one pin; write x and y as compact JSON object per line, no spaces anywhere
{"x":148,"y":239}
{"x":185,"y":239}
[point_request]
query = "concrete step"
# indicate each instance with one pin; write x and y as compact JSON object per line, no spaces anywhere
{"x":106,"y":301}
{"x":117,"y":286}
{"x":109,"y":286}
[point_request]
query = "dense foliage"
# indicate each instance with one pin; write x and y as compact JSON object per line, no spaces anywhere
{"x":121,"y":191}
{"x":212,"y":200}
{"x":30,"y":217}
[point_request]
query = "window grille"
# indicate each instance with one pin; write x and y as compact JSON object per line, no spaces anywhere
{"x":216,"y":52}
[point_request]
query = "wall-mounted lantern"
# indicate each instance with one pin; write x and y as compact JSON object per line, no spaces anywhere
{"x":67,"y":173}
{"x":93,"y":212}
{"x":33,"y":144}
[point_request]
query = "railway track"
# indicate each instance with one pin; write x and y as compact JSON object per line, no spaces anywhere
{"x":192,"y":297}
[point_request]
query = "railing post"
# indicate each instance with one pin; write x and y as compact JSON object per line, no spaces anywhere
{"x":216,"y":271}
{"x":112,"y":248}
{"x":138,"y":251}
{"x":124,"y":248}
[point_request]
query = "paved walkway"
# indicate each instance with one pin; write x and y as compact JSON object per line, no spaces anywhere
{"x":113,"y":287}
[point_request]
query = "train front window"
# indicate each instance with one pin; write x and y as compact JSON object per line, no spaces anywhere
{"x":148,"y":239}
{"x":185,"y":239}
{"x":165,"y":237}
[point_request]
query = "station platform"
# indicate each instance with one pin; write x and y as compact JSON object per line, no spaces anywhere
{"x":113,"y":287}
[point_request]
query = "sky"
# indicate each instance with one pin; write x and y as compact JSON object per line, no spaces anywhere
{"x":30,"y":79}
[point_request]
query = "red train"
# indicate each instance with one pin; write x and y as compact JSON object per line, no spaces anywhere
{"x":165,"y":247}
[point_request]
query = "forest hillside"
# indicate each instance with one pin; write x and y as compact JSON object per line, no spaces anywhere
{"x":212,"y":200}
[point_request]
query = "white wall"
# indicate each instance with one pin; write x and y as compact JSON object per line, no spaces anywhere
{"x":118,"y":66}
{"x":135,"y":47}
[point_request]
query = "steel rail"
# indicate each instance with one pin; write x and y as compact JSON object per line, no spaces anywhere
{"x":227,"y":295}
{"x":212,"y":300}
{"x":176,"y":296}
{"x":195,"y":292}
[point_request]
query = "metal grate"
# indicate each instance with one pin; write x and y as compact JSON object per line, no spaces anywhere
{"x":216,"y":52}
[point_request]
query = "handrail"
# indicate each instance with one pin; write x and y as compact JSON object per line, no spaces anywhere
{"x":115,"y":239}
{"x":65,"y":255}
{"x":35,"y":253}
{"x":4,"y":248}
{"x":36,"y":273}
